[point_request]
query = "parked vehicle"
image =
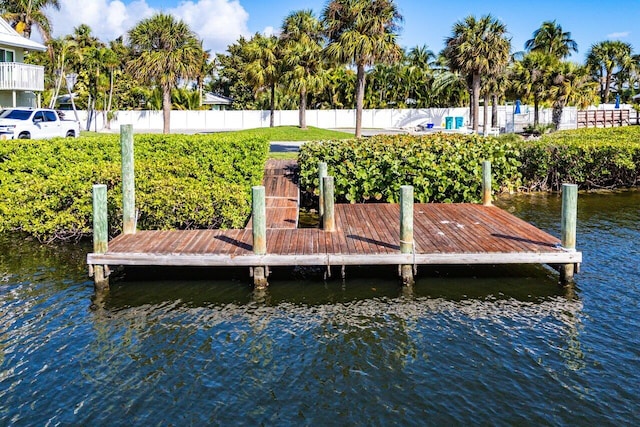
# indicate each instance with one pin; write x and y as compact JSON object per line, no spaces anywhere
{"x":35,"y":123}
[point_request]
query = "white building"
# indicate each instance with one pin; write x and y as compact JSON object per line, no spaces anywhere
{"x":20,"y":83}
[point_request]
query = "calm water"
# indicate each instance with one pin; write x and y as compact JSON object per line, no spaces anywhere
{"x":492,"y":346}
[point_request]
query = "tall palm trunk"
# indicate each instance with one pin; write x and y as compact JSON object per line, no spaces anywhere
{"x":494,"y":110}
{"x":607,"y":87}
{"x":536,"y":113}
{"x":360,"y":82}
{"x":475,"y":87}
{"x":108,"y":122}
{"x":302,"y":112}
{"x":166,"y":109}
{"x":272,"y":106}
{"x":52,"y":103}
{"x":485,"y":118}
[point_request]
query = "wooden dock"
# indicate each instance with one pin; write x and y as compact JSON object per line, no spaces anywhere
{"x":365,"y":234}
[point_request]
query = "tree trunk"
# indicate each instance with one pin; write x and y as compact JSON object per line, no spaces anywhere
{"x":485,"y":119}
{"x":52,"y":103}
{"x":475,"y":86}
{"x":108,"y":122}
{"x":166,"y":109}
{"x":557,"y":114}
{"x":302,"y":113}
{"x":494,"y":110}
{"x":607,"y":87}
{"x":272,"y":106}
{"x":360,"y":82}
{"x":89,"y":113}
{"x":536,"y":117}
{"x":471,"y":108}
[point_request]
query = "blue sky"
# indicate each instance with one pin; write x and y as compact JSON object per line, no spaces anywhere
{"x":220,"y":22}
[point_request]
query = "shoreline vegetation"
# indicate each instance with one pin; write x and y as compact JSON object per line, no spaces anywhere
{"x":204,"y":181}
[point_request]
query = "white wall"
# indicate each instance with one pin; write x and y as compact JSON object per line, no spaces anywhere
{"x":209,"y":120}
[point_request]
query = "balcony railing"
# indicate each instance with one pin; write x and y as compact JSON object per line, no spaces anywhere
{"x":19,"y":76}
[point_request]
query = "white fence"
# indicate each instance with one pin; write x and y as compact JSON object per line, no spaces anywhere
{"x":203,"y":121}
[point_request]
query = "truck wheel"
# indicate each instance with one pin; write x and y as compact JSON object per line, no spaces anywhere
{"x":24,"y":135}
{"x":71,"y":134}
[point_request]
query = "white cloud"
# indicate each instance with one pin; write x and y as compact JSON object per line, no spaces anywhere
{"x":620,"y":35}
{"x":217,"y":22}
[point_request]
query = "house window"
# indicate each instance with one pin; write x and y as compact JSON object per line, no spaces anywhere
{"x":6,"y":55}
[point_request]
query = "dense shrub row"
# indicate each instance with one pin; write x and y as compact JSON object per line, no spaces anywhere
{"x":441,"y":167}
{"x":591,"y":158}
{"x":196,"y":181}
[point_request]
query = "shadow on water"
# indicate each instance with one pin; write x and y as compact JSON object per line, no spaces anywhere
{"x":206,"y":287}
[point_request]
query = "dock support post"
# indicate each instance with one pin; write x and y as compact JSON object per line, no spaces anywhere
{"x":328,"y":218}
{"x":406,"y":232}
{"x":486,"y":183}
{"x":568,"y":228}
{"x":100,"y":235}
{"x":128,"y":180}
{"x":322,"y":172}
{"x":259,"y":219}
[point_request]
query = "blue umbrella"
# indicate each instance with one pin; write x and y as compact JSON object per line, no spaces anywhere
{"x":517,"y":110}
{"x":617,"y":101}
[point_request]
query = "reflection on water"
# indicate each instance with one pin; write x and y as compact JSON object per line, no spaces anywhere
{"x":480,"y":345}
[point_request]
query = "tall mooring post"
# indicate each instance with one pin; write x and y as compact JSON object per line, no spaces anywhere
{"x":259,"y":228}
{"x":568,"y":228}
{"x":406,"y":232}
{"x":486,"y":183}
{"x":322,"y":172}
{"x":328,"y":217}
{"x":128,"y":180}
{"x":100,"y":235}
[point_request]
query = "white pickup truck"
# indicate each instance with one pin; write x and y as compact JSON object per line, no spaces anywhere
{"x":35,"y":123}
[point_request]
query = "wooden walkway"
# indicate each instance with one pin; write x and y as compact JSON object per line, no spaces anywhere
{"x":282,"y":194}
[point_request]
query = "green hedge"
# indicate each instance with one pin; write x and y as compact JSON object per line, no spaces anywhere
{"x":592,"y":158}
{"x":441,"y":167}
{"x":196,"y":181}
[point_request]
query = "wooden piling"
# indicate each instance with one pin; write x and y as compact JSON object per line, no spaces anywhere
{"x":259,"y":221}
{"x":322,"y":172}
{"x":328,"y":218}
{"x":568,"y":228}
{"x":486,"y":183}
{"x":406,"y":231}
{"x":100,"y":234}
{"x":128,"y":180}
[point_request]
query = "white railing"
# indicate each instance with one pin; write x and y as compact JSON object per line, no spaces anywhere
{"x":19,"y":76}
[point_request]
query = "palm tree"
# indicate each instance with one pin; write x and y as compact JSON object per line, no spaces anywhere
{"x":477,"y":47}
{"x":302,"y":52}
{"x":362,"y":33}
{"x":571,"y":84}
{"x":23,"y":15}
{"x":163,"y":51}
{"x":550,"y":39}
{"x":263,"y":68}
{"x":531,"y":78}
{"x":604,"y":58}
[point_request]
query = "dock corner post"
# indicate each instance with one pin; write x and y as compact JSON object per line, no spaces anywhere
{"x":406,"y":232}
{"x":486,"y":183}
{"x":128,"y":180}
{"x":322,"y":172}
{"x":259,"y":228}
{"x":100,"y":235}
{"x":568,"y":228}
{"x":328,"y":217}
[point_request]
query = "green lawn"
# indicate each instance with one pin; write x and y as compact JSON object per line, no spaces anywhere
{"x":294,"y":133}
